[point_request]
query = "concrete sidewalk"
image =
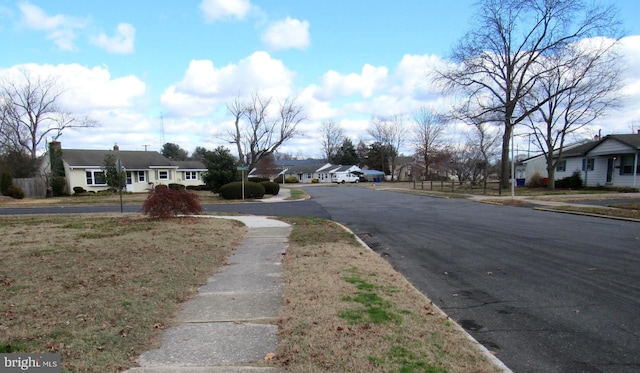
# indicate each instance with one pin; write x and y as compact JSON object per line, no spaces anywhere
{"x":226,"y":326}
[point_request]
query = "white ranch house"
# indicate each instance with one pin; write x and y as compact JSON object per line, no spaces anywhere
{"x":144,"y":170}
{"x":308,"y":170}
{"x":613,"y":161}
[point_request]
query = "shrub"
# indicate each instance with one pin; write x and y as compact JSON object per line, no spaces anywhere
{"x":570,"y":182}
{"x":270,"y":187}
{"x":257,"y":179}
{"x":576,"y":180}
{"x":536,"y":181}
{"x":291,"y":180}
{"x":234,"y":190}
{"x":315,"y":181}
{"x":6,"y":181}
{"x":79,"y":190}
{"x":164,"y":203}
{"x":58,"y":184}
{"x":176,"y":186}
{"x":14,"y":192}
{"x":197,"y":187}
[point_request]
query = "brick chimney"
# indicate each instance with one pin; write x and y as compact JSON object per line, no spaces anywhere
{"x":116,"y":148}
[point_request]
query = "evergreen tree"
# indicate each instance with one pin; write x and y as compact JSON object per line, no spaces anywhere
{"x":221,"y":168}
{"x":346,"y":154}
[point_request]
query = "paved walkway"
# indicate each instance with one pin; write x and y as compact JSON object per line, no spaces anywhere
{"x":226,"y":326}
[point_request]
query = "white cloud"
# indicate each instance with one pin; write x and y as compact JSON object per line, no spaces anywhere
{"x":58,"y":28}
{"x":371,"y":80}
{"x":215,"y":10}
{"x":121,"y":42}
{"x":287,"y":34}
{"x":87,"y":89}
{"x":204,"y":87}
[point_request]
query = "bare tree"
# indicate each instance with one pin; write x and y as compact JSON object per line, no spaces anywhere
{"x":391,"y":133}
{"x":496,"y":62}
{"x":485,"y":140}
{"x":237,"y":109}
{"x":30,"y":112}
{"x":257,"y":135}
{"x":332,"y":138}
{"x":428,"y":128}
{"x":579,"y":89}
{"x":463,"y":161}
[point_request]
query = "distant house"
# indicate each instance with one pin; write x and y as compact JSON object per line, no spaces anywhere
{"x":144,"y":169}
{"x":613,"y":161}
{"x":310,"y":170}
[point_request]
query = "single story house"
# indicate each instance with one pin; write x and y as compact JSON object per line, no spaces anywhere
{"x":612,"y":161}
{"x":308,"y":170}
{"x":144,"y":169}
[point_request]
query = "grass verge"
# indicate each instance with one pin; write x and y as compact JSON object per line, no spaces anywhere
{"x":347,"y":310}
{"x":630,"y":211}
{"x":100,"y":290}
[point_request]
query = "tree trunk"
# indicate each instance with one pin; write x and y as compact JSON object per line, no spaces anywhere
{"x":505,"y":173}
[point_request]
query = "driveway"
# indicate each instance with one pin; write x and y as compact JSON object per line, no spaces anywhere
{"x":546,"y":292}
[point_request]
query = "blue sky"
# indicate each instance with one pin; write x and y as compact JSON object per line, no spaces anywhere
{"x":126,"y":63}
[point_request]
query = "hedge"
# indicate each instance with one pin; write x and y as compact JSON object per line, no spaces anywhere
{"x":234,"y":190}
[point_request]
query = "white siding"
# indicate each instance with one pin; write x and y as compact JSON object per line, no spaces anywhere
{"x":610,"y":147}
{"x":598,"y":176}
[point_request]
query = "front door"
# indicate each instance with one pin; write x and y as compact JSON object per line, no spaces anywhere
{"x":129,"y":182}
{"x":610,"y":168}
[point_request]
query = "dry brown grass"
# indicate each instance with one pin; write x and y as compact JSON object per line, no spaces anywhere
{"x":347,"y":310}
{"x":100,"y":289}
{"x":629,"y":211}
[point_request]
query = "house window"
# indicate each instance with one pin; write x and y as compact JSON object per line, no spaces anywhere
{"x":626,"y":165}
{"x":308,"y":176}
{"x":142,"y":176}
{"x":190,"y":175}
{"x":163,"y":175}
{"x":95,"y":178}
{"x":129,"y":178}
{"x":561,"y":166}
{"x":588,"y":164}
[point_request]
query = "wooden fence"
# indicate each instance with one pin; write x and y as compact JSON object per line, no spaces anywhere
{"x":34,"y":187}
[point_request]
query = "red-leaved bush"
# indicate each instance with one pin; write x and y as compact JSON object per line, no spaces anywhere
{"x":164,"y":203}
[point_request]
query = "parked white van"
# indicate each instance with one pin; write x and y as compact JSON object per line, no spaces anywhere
{"x":344,"y":177}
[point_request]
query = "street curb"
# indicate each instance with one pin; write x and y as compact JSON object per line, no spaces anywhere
{"x":491,"y":357}
{"x":550,"y":209}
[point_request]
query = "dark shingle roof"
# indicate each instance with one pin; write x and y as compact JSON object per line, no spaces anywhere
{"x":132,"y":160}
{"x":189,"y":165}
{"x":579,"y":150}
{"x":633,"y":140}
{"x":304,"y":168}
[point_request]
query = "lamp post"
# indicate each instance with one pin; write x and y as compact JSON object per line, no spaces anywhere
{"x":513,"y":169}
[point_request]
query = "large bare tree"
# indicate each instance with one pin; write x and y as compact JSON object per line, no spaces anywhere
{"x":428,"y":129}
{"x":332,"y":137}
{"x":496,"y":62}
{"x":257,"y":133}
{"x":580,"y":88}
{"x":30,"y":111}
{"x":391,"y":133}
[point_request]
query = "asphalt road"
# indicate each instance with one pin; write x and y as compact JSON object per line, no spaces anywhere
{"x":546,"y":292}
